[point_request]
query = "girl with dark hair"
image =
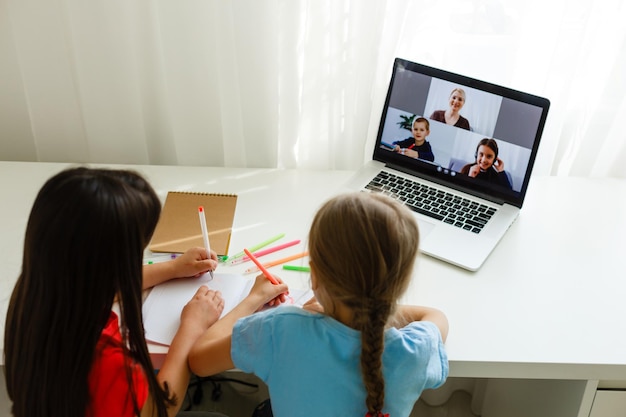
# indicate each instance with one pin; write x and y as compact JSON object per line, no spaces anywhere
{"x":352,"y":351}
{"x":488,"y":167}
{"x":66,"y":352}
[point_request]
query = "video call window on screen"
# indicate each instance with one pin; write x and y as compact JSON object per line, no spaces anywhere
{"x":460,"y":130}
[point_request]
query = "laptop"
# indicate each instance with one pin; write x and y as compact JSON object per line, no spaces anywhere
{"x":465,"y":171}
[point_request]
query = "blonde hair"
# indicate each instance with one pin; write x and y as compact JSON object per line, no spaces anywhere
{"x":460,"y":91}
{"x":363,"y":247}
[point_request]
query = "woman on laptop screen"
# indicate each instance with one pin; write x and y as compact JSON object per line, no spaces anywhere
{"x":452,"y":116}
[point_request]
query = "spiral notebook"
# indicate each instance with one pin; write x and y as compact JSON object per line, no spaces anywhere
{"x":179,"y":229}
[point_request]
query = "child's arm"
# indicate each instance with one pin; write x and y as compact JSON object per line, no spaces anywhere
{"x":201,"y":311}
{"x":406,"y":314}
{"x":192,"y":263}
{"x":211,"y":353}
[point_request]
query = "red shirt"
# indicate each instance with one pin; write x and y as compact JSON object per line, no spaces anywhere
{"x":108,"y":385}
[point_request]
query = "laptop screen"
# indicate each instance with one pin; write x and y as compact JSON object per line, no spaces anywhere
{"x":471,"y":135}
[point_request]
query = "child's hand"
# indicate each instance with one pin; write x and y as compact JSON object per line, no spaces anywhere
{"x":498,"y":165}
{"x":264,"y":292}
{"x":411,"y":153}
{"x":474,"y":170}
{"x":204,"y":309}
{"x":193,"y":263}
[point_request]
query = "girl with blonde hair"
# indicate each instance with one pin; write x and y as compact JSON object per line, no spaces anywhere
{"x":352,"y":350}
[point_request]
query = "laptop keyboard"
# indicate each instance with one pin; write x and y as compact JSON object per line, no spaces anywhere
{"x":440,"y":205}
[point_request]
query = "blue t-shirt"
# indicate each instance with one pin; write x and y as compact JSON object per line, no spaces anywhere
{"x":310,"y":362}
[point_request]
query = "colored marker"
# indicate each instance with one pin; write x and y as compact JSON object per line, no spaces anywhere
{"x":269,"y":276}
{"x":297,"y":268}
{"x":277,"y":262}
{"x":159,"y":257}
{"x":205,"y":233}
{"x":259,"y":246}
{"x":265,"y":252}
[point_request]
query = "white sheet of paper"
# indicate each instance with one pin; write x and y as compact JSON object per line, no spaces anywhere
{"x":162,"y":307}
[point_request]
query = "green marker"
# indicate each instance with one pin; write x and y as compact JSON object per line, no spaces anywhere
{"x":259,"y":246}
{"x":297,"y":268}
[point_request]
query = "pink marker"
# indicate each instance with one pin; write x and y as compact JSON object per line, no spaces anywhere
{"x":266,"y":251}
{"x":278,"y":261}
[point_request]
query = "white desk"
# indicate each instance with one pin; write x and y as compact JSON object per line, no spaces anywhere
{"x":548,"y":303}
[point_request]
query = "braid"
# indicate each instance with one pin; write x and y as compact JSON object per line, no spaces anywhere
{"x":380,"y":239}
{"x":371,"y":322}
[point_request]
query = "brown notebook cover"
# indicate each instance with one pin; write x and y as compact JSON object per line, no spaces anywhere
{"x":179,"y":227}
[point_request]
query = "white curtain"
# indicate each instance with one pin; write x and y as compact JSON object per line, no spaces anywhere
{"x":292,"y":83}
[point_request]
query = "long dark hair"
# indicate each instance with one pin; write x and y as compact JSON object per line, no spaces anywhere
{"x":363,"y":247}
{"x":83,"y":247}
{"x":490,"y":143}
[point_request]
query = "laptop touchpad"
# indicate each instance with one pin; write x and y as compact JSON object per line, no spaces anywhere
{"x":425,"y":228}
